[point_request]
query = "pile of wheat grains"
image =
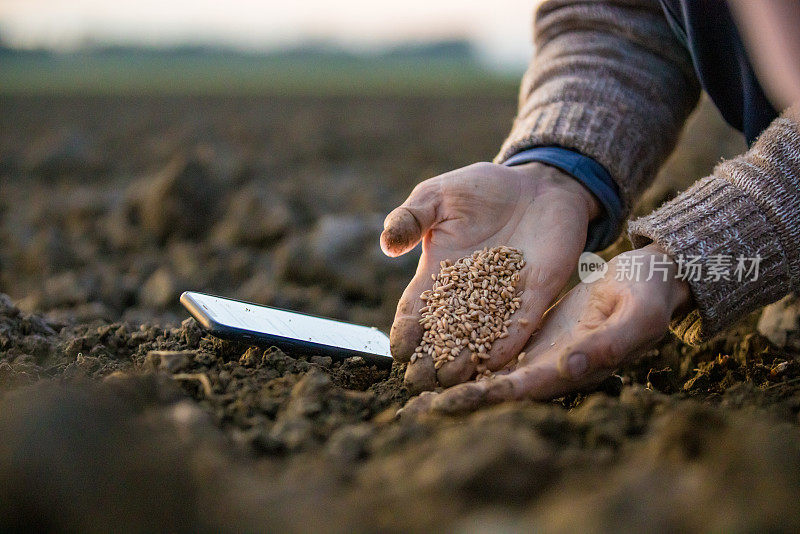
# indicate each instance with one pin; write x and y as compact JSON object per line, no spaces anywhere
{"x":470,"y":305}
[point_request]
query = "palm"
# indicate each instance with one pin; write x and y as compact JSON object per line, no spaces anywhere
{"x":470,"y":221}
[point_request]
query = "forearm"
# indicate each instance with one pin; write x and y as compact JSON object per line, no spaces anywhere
{"x":608,"y":80}
{"x":748,"y":208}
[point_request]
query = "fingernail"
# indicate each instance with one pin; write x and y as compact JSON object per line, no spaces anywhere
{"x":577,"y":365}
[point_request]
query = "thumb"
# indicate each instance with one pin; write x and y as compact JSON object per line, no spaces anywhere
{"x":404,"y":227}
{"x":610,"y":345}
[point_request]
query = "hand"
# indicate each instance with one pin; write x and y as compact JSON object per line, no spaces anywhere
{"x":534,"y":208}
{"x":593,"y":330}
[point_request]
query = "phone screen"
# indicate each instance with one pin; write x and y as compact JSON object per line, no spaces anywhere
{"x":292,"y":325}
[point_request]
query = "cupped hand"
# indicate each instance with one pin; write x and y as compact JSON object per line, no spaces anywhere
{"x":589,"y":333}
{"x":533,"y":207}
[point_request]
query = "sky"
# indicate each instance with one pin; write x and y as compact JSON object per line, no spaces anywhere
{"x":500,"y":29}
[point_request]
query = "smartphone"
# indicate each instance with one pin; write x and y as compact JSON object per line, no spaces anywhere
{"x":245,"y":322}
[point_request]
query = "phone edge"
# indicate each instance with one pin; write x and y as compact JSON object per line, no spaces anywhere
{"x":194,"y":310}
{"x":231,"y":333}
{"x":283,"y":309}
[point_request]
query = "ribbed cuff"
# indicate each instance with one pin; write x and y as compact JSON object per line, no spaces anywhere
{"x":608,"y":137}
{"x":714,"y":219}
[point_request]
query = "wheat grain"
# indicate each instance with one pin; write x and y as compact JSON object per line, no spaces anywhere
{"x":469,"y":306}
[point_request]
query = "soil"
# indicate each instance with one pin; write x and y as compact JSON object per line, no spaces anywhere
{"x":119,"y":414}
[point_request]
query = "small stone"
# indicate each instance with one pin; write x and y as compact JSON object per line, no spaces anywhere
{"x":190,"y":332}
{"x":348,"y":443}
{"x":171,"y":361}
{"x":160,"y":290}
{"x":611,"y":386}
{"x":251,"y":357}
{"x":701,"y":382}
{"x":180,"y":200}
{"x":663,"y":380}
{"x":355,"y":361}
{"x":323,"y":361}
{"x":224,"y":378}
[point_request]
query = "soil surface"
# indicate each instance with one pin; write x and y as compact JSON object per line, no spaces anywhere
{"x":119,"y":414}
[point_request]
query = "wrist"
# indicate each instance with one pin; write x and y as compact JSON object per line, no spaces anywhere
{"x":548,"y":180}
{"x":679,"y":294}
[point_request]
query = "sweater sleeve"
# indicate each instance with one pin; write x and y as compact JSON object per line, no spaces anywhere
{"x":609,"y":80}
{"x":749,"y":208}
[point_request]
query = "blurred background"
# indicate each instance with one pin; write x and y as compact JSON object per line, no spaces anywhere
{"x":247,"y":148}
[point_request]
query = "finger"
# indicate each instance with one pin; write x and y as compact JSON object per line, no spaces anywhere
{"x":538,"y":381}
{"x":601,"y":350}
{"x":457,"y":371}
{"x":405,"y":226}
{"x":417,"y":406}
{"x":406,"y":332}
{"x":465,"y":366}
{"x":463,"y":398}
{"x":420,"y":375}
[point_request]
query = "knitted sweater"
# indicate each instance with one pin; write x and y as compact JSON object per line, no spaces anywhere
{"x":611,"y":81}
